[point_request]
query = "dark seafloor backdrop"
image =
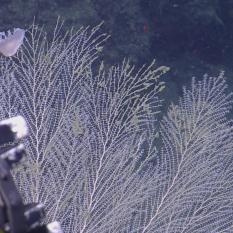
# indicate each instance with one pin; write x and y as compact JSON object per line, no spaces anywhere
{"x":192,"y":37}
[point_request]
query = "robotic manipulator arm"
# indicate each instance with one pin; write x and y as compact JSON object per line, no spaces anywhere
{"x":15,"y":217}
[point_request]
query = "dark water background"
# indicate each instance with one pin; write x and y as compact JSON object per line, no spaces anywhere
{"x":192,"y":37}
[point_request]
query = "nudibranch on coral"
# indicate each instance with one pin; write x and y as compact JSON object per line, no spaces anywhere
{"x":10,"y":42}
